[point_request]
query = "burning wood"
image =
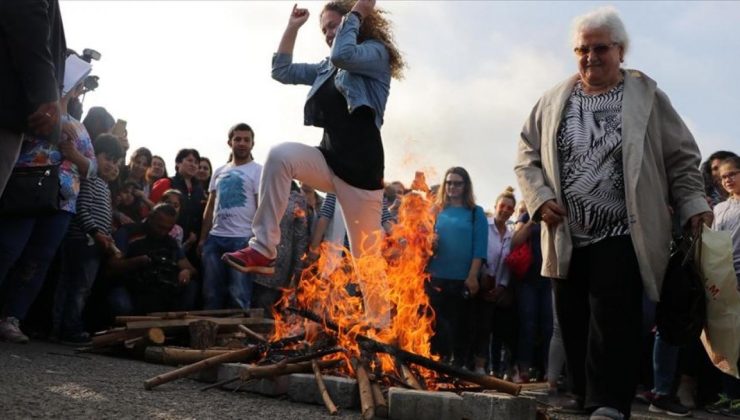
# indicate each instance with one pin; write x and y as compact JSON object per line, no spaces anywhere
{"x":373,"y":346}
{"x":408,"y":375}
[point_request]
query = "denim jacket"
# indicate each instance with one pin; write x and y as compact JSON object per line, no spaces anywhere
{"x":363,"y":75}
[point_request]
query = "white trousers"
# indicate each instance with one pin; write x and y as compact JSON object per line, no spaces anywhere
{"x":362,"y":212}
{"x":287,"y":161}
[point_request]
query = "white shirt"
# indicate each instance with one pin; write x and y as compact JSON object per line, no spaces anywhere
{"x":498,"y":249}
{"x":236,"y":189}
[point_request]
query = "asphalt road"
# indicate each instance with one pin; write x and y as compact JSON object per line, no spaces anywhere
{"x":44,"y":380}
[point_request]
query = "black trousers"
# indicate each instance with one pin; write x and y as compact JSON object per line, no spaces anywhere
{"x":452,"y":336}
{"x":599,"y":307}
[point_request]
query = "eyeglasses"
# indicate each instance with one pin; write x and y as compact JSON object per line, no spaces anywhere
{"x":727,"y":176}
{"x":598,"y":49}
{"x":454,"y":183}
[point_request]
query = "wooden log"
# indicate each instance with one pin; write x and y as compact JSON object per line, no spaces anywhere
{"x":175,"y":356}
{"x":252,"y":313}
{"x":374,"y":346}
{"x":202,"y":334}
{"x":409,"y":377}
{"x":367,"y":403}
{"x":322,"y":388}
{"x":172,"y":323}
{"x":283,"y":368}
{"x":486,"y":381}
{"x":122,"y":320}
{"x":257,"y":336}
{"x":108,"y":331}
{"x":381,"y":405}
{"x":233,"y":356}
{"x":156,"y":336}
{"x":113,"y":338}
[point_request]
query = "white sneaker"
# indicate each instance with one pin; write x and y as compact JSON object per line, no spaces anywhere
{"x":10,"y":331}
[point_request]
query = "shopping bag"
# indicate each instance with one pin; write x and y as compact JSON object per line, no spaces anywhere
{"x":721,"y":336}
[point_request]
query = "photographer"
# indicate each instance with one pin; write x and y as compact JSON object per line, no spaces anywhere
{"x":152,"y":273}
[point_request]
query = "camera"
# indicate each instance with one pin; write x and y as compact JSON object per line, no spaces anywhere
{"x":89,"y":54}
{"x":160,"y":277}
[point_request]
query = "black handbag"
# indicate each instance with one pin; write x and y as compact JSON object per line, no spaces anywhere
{"x":31,"y":191}
{"x":681,"y":313}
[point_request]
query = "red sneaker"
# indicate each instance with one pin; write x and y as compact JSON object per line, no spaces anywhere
{"x":248,"y":260}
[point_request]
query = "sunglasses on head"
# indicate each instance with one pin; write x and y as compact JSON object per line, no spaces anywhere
{"x":598,"y":49}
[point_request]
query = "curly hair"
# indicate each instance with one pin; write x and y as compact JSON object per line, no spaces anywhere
{"x":374,"y":26}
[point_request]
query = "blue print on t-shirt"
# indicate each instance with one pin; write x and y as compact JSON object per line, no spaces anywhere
{"x":231,"y":192}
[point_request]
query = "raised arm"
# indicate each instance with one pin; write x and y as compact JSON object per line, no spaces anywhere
{"x":369,"y":58}
{"x":283,"y":69}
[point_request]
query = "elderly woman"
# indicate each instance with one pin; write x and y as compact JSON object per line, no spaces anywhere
{"x":599,"y":160}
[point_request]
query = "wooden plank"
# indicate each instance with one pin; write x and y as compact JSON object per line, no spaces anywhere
{"x":171,"y":323}
{"x":252,"y":313}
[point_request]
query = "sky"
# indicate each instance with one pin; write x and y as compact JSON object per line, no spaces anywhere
{"x":182,"y":73}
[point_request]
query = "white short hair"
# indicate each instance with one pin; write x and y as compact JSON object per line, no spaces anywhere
{"x":605,"y":17}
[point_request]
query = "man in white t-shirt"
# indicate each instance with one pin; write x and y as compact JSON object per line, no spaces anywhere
{"x":227,"y":223}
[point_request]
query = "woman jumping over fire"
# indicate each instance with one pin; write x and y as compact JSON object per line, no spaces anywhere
{"x":349,"y":91}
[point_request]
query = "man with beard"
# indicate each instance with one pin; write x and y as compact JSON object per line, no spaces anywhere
{"x":227,"y":223}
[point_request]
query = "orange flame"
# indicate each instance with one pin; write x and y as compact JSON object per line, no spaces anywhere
{"x":393,"y":307}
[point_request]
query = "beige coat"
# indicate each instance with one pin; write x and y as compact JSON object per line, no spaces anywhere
{"x":660,"y":159}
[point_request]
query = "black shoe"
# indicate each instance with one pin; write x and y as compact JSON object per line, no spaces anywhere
{"x":668,"y":404}
{"x":77,"y":340}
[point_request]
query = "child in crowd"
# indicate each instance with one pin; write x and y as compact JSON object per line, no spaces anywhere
{"x":129,"y":202}
{"x":88,"y":240}
{"x":173,"y":197}
{"x":727,"y":218}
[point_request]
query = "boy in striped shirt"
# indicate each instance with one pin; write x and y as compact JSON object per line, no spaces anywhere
{"x":88,"y":240}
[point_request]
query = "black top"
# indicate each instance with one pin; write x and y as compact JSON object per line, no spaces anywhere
{"x":32,"y":53}
{"x":191,"y":212}
{"x":351,"y":144}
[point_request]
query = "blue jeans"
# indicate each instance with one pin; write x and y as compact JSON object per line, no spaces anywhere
{"x":27,"y":246}
{"x":665,"y":363}
{"x":534,"y":303}
{"x":80,"y":264}
{"x":224,"y":287}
